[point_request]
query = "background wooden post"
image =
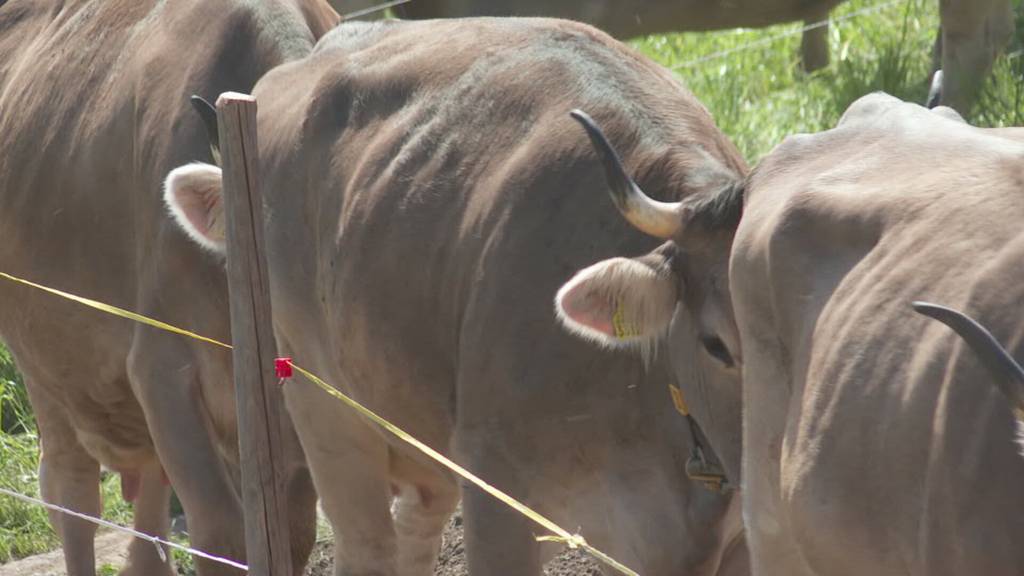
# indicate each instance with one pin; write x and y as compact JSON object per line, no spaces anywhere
{"x":259,"y":399}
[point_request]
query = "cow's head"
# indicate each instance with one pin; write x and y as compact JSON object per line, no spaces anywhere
{"x":679,"y":290}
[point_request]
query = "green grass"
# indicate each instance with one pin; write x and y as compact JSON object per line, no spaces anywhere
{"x":25,"y":529}
{"x":760,"y":95}
{"x":15,"y":414}
{"x":757,"y":96}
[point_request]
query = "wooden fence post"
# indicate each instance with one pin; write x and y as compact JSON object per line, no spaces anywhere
{"x":259,"y":399}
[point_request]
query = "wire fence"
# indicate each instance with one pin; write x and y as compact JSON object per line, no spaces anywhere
{"x":558,"y":534}
{"x":373,"y":9}
{"x":159,"y":543}
{"x":772,"y":39}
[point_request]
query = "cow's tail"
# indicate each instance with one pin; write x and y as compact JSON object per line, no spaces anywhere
{"x":1008,"y":374}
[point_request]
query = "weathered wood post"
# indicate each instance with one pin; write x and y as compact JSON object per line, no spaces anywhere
{"x":259,"y":400}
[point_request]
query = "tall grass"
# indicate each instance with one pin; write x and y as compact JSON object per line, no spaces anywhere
{"x":759,"y":96}
{"x":15,"y":414}
{"x":1002,"y":102}
{"x":25,"y":529}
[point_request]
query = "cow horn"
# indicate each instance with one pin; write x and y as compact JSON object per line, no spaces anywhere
{"x":1008,"y":374}
{"x":659,"y":219}
{"x":208,"y":114}
{"x":935,"y":90}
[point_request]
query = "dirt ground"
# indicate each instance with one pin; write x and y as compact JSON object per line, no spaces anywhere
{"x":110,"y":549}
{"x":452,"y":560}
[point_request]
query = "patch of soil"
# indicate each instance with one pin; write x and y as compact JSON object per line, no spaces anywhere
{"x":452,"y":559}
{"x":111,"y":548}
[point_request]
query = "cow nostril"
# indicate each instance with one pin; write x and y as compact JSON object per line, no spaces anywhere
{"x":717,"y":349}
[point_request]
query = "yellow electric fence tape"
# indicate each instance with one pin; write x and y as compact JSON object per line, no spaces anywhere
{"x":115,"y":311}
{"x":560,"y":534}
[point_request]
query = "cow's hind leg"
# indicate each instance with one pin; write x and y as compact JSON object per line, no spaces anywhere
{"x":499,"y":540}
{"x":151,"y":517}
{"x":68,"y":477}
{"x":421,"y":512}
{"x":349,"y":462}
{"x":166,"y":384}
{"x":302,"y":500}
{"x":356,"y":497}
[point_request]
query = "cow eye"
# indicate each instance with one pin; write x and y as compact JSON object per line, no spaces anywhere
{"x":716,"y":348}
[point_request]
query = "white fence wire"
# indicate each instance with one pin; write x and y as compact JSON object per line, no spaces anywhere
{"x":157,"y":542}
{"x":373,"y":9}
{"x":771,"y":39}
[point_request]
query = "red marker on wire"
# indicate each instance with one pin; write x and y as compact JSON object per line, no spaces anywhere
{"x":283,"y":369}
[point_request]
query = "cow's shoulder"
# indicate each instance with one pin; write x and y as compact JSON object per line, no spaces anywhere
{"x":886,"y":164}
{"x":864,"y":203}
{"x":250,"y":33}
{"x":432,"y":53}
{"x":998,"y":290}
{"x":109,"y":53}
{"x":433,"y":77}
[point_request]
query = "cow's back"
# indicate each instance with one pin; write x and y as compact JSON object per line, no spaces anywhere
{"x":100,"y":90}
{"x":888,"y":440}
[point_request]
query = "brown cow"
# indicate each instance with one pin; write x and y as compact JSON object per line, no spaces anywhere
{"x":426,"y":193}
{"x":678,"y":293}
{"x":868,"y":446}
{"x":94,"y":106}
{"x":869,"y":420}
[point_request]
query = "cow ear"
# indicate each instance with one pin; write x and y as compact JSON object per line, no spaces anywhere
{"x":193,"y":195}
{"x":618,"y":302}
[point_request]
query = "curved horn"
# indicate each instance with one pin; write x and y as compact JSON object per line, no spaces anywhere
{"x":208,"y":114}
{"x":1008,"y":374}
{"x":935,"y":91}
{"x":659,"y":219}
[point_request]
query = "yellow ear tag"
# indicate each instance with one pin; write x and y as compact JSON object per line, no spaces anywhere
{"x":677,"y":399}
{"x":623,"y":329}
